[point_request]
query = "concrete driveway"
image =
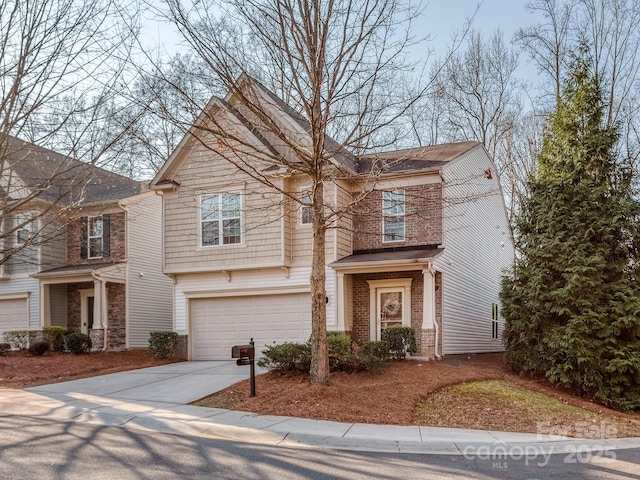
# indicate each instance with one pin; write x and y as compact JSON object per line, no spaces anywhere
{"x":176,"y":383}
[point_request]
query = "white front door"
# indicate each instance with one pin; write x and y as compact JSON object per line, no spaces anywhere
{"x":390,"y":304}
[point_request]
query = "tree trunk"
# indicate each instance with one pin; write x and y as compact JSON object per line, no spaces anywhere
{"x":319,"y":354}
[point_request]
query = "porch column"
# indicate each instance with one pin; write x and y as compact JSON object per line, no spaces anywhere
{"x":45,"y":305}
{"x":340,"y":302}
{"x":429,"y":300}
{"x":98,"y":300}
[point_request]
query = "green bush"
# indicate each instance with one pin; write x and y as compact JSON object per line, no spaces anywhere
{"x":5,"y":348}
{"x":18,"y":339}
{"x":162,"y":344}
{"x":54,"y":336}
{"x":377,"y":349}
{"x":287,"y":358}
{"x":401,"y":341}
{"x":38,"y":348}
{"x":77,"y":343}
{"x":341,"y":356}
{"x":292,"y":358}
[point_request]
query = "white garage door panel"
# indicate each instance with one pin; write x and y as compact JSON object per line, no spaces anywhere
{"x":220,"y":323}
{"x":14,"y":315}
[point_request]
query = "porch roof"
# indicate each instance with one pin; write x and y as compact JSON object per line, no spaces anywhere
{"x":111,"y":272}
{"x":388,"y":258}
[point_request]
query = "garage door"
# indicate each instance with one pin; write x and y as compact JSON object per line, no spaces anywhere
{"x":14,"y":315}
{"x":220,"y":323}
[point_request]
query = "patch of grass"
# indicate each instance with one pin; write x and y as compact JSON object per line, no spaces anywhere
{"x":503,"y":405}
{"x":510,"y":395}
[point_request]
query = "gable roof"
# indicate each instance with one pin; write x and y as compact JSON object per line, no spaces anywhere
{"x":412,"y":160}
{"x":340,"y":154}
{"x":61,"y":179}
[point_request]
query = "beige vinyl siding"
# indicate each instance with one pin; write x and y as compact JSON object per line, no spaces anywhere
{"x":149,"y":291}
{"x":344,"y":234}
{"x":246,"y":281}
{"x":203,"y":173}
{"x":475,"y":226}
{"x":54,"y":249}
{"x":58,"y":304}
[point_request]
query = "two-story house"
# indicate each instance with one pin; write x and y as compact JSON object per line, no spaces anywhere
{"x":82,"y":250}
{"x":424,"y":246}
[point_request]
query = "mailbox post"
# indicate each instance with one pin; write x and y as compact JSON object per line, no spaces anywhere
{"x":245,"y":355}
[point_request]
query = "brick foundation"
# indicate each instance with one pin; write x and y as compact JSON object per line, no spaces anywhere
{"x":182,"y":347}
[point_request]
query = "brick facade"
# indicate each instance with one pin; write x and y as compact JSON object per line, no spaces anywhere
{"x":117,"y":251}
{"x":423,"y":219}
{"x":116,"y":302}
{"x":117,"y":334}
{"x":362,"y":300}
{"x":425,"y":339}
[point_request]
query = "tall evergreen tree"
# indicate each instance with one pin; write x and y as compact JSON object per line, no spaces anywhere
{"x":572,"y":303}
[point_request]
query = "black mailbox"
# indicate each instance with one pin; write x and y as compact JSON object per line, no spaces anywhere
{"x":246,"y":356}
{"x":243,"y":352}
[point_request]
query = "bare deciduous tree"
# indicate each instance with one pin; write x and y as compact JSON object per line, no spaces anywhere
{"x":62,"y":66}
{"x":605,"y":30}
{"x":340,"y":66}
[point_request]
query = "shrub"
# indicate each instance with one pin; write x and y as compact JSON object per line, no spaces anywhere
{"x":287,"y":358}
{"x":401,"y":341}
{"x":377,"y":349}
{"x":54,"y":336}
{"x":18,"y":339}
{"x":292,"y":358}
{"x":4,"y":348}
{"x":77,"y":343}
{"x":38,"y":348}
{"x":162,"y":344}
{"x":341,"y":356}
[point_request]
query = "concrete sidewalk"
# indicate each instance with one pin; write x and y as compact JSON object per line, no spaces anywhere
{"x":131,"y":400}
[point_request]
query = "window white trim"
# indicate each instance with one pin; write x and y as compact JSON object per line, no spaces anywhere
{"x":393,"y":212}
{"x":305,"y":215}
{"x":95,"y":252}
{"x":220,"y":219}
{"x":28,"y":219}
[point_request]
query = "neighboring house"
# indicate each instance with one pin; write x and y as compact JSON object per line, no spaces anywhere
{"x":425,"y":247}
{"x":81,"y":249}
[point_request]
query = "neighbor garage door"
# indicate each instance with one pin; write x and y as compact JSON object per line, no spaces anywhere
{"x":14,"y":315}
{"x":220,"y":323}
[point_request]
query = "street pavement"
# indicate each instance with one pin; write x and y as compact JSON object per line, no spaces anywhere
{"x":157,"y":398}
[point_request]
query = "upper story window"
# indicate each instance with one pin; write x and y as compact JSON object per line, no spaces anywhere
{"x":95,"y":236}
{"x":306,"y":212}
{"x":220,"y":219}
{"x":24,"y":226}
{"x":95,"y":239}
{"x":393,"y":216}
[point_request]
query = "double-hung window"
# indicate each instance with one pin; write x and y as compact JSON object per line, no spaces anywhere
{"x":306,"y":212}
{"x":24,"y":224}
{"x":95,"y":237}
{"x":393,"y":216}
{"x":220,"y":219}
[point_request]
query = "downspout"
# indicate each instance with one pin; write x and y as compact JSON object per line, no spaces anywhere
{"x":432,"y":271}
{"x":104,"y":320}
